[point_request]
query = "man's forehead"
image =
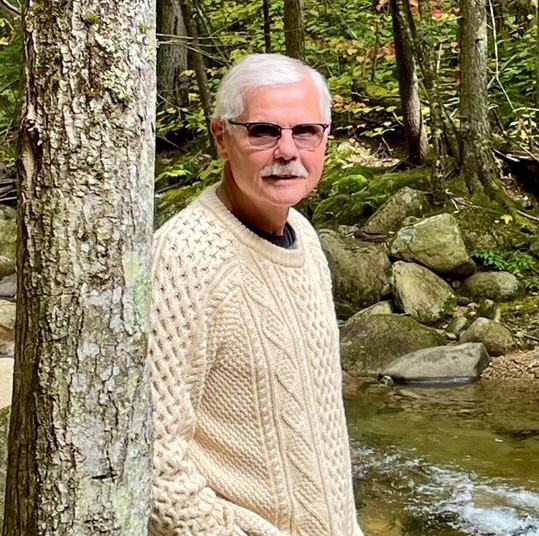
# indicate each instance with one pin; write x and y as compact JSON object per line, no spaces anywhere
{"x":302,"y":97}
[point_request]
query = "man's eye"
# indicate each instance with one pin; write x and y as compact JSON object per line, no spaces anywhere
{"x":307,"y":130}
{"x":264,"y":131}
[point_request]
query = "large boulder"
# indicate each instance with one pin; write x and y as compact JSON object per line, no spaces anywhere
{"x":389,"y":217}
{"x":369,"y":342}
{"x":496,"y":286}
{"x":380,"y":308}
{"x":421,"y":293}
{"x":436,"y":243}
{"x":496,"y":337}
{"x":464,"y":362}
{"x":360,"y":271}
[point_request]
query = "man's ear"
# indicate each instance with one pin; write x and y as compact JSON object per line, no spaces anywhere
{"x":217,"y":127}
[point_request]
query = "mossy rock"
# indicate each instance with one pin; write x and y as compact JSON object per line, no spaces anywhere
{"x":368,"y":343}
{"x":388,"y":184}
{"x":341,"y":209}
{"x":490,"y":228}
{"x":8,"y":238}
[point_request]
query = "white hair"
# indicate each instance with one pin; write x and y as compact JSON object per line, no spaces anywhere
{"x":257,"y":70}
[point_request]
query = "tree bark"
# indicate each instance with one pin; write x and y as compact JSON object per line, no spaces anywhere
{"x":537,"y":55}
{"x":477,"y":160}
{"x":441,"y":128}
{"x":267,"y":26}
{"x":80,"y":434}
{"x":416,"y":138}
{"x":199,"y":67}
{"x":172,"y":86}
{"x":293,"y":29}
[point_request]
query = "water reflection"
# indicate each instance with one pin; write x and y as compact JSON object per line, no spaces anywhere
{"x":446,"y":461}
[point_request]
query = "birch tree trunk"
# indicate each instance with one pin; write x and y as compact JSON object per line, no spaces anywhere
{"x":477,"y":160}
{"x":294,"y":37}
{"x":80,"y":435}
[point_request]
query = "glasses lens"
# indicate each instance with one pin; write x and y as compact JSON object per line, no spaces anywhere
{"x":264,"y":134}
{"x":308,"y":135}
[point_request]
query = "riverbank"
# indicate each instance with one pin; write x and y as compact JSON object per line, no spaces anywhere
{"x":516,"y":370}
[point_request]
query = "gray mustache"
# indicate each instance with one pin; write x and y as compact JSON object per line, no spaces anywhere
{"x":292,"y":168}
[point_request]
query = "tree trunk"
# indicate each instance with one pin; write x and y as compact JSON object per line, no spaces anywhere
{"x":199,"y":67}
{"x":477,"y":160}
{"x":441,"y":128}
{"x":172,"y":86}
{"x":267,"y":26}
{"x":293,"y":29}
{"x":537,"y":55}
{"x":80,"y":434}
{"x":416,"y":138}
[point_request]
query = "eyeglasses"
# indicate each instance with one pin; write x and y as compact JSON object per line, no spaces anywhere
{"x":266,"y":135}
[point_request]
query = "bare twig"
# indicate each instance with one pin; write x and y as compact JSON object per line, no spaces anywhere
{"x":11,"y":8}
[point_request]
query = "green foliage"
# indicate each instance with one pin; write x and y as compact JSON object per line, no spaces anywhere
{"x":10,"y":95}
{"x":519,"y":263}
{"x":182,"y":180}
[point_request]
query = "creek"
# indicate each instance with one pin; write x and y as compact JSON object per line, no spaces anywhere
{"x":446,"y":461}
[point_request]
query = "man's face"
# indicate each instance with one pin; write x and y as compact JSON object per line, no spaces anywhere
{"x":282,"y":175}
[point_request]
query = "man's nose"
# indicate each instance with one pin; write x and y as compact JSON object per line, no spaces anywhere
{"x":286,"y":148}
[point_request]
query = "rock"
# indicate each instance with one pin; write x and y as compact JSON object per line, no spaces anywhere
{"x":7,"y":314}
{"x":7,"y":340}
{"x":484,"y":229}
{"x":8,"y":286}
{"x":7,"y":266}
{"x":457,"y":324}
{"x":496,"y":337}
{"x":464,"y":362}
{"x":6,"y":380}
{"x":350,"y":385}
{"x":8,"y":238}
{"x":7,"y":213}
{"x":487,"y":309}
{"x":369,"y":342}
{"x":389,"y":217}
{"x":496,"y":286}
{"x":380,"y":308}
{"x":436,"y":243}
{"x":421,"y":293}
{"x":360,"y":271}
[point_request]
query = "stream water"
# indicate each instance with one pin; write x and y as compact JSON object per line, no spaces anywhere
{"x":451,"y":461}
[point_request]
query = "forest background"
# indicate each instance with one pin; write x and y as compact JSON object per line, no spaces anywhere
{"x":437,"y":83}
{"x":425,"y":95}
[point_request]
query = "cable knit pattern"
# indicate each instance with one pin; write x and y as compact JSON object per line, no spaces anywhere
{"x":250,"y":432}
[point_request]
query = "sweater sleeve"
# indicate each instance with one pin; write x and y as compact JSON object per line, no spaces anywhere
{"x":182,"y":503}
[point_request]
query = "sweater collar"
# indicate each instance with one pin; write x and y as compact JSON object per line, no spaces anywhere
{"x":287,"y":257}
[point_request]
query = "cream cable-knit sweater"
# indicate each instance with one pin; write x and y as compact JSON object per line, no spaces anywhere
{"x":250,"y":432}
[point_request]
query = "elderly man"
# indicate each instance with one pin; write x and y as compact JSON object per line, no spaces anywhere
{"x":250,"y":432}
